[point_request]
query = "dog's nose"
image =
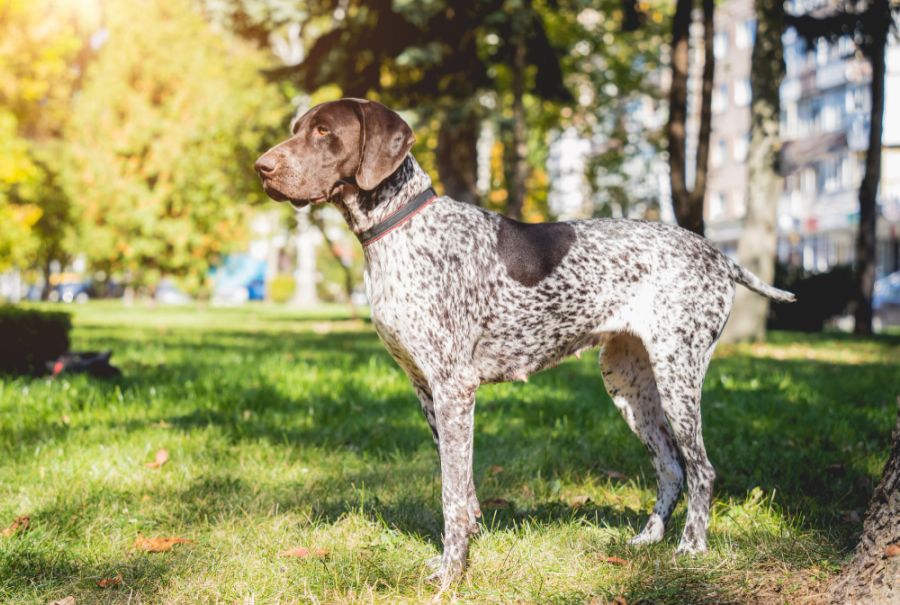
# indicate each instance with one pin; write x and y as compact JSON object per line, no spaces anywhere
{"x":266,"y":165}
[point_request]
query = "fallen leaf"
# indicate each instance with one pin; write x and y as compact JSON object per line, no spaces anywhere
{"x":579,"y":501}
{"x":66,"y":420}
{"x":616,"y":561}
{"x":495,"y":503}
{"x":162,"y":456}
{"x":162,"y":424}
{"x":302,"y":553}
{"x":615,"y":475}
{"x":619,"y":601}
{"x":64,"y":601}
{"x":892,"y":550}
{"x":18,"y":526}
{"x":496,"y":469}
{"x":158,"y":544}
{"x":110,"y":582}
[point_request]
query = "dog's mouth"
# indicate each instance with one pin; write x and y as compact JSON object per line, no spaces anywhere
{"x":278,"y":196}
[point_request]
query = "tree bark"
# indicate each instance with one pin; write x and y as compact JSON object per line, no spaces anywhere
{"x":519,"y":143}
{"x":756,"y":247}
{"x":868,"y":190}
{"x":873,"y":575}
{"x":456,"y":155}
{"x":688,"y":202}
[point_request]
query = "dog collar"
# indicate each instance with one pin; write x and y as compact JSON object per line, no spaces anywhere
{"x":397,"y":218}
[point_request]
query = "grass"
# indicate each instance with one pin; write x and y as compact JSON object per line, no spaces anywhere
{"x":290,"y":429}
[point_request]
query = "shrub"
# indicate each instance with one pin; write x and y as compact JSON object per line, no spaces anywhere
{"x":282,"y":288}
{"x":30,"y":338}
{"x":820,"y":296}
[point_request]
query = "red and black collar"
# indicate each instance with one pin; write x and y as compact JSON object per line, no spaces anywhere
{"x":397,"y":218}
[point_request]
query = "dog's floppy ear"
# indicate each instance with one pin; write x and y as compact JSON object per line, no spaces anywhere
{"x":385,"y":139}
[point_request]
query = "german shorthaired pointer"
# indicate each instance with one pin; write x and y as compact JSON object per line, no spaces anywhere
{"x":462,"y":296}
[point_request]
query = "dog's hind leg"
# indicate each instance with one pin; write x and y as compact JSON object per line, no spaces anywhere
{"x":679,"y":378}
{"x":630,"y":381}
{"x":427,"y":403}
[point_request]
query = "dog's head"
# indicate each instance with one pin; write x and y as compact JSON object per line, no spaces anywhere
{"x":347,"y":142}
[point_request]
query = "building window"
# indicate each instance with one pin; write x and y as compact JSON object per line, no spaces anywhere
{"x":716,"y":205}
{"x":828,"y":177}
{"x":720,"y":98}
{"x":745,"y":33}
{"x":720,"y":44}
{"x":717,"y":153}
{"x":739,"y":151}
{"x":742,"y":92}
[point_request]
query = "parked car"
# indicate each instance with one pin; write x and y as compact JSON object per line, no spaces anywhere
{"x":70,"y":291}
{"x":886,"y":301}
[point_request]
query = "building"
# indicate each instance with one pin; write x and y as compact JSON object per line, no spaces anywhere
{"x":824,"y":126}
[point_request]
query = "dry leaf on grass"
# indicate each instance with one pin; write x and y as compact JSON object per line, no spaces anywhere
{"x":616,"y":475}
{"x":302,"y":553}
{"x":495,"y":503}
{"x":496,"y":469}
{"x":579,"y":501}
{"x":892,"y":550}
{"x":615,"y":561}
{"x":110,"y":582}
{"x":20,"y":525}
{"x":64,"y":601}
{"x":162,"y":456}
{"x":619,"y":601}
{"x":158,"y":544}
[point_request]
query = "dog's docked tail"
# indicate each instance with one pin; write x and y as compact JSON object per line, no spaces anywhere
{"x":745,"y":277}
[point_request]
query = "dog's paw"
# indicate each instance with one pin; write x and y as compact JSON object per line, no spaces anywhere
{"x":651,"y":534}
{"x":444,"y":573}
{"x":690,"y":549}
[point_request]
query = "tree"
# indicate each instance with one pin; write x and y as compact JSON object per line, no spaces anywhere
{"x":758,"y":239}
{"x":873,"y":575}
{"x":39,"y":69}
{"x":161,"y":143}
{"x":868,"y":23}
{"x":688,"y":202}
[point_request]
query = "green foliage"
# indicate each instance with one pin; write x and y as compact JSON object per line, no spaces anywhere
{"x":290,"y":429}
{"x":282,"y":288}
{"x":162,"y":141}
{"x":31,"y":338}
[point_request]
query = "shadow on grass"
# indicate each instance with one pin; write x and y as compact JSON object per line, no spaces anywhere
{"x":810,"y":431}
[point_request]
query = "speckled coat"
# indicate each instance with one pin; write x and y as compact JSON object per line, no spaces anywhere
{"x":462,"y":296}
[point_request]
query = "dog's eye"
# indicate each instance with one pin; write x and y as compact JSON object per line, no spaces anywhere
{"x":321,"y":131}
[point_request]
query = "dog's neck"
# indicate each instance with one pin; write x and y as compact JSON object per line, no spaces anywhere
{"x":364,"y":209}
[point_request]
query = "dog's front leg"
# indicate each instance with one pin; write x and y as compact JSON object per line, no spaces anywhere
{"x":454,"y":407}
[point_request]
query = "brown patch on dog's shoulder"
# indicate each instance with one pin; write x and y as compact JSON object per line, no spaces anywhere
{"x":530,"y":252}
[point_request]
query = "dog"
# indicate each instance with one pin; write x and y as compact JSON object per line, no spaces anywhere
{"x":462,"y":296}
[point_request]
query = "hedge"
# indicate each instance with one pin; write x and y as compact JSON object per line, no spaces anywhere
{"x":30,"y":338}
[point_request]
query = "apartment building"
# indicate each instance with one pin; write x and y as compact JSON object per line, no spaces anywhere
{"x":824,"y":125}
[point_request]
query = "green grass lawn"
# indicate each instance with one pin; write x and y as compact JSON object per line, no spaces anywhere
{"x":295,"y":429}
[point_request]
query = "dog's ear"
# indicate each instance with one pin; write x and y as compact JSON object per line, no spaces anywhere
{"x":385,"y":139}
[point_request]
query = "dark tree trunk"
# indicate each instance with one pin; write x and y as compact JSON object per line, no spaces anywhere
{"x":688,"y":202}
{"x":456,"y":155}
{"x":519,"y":143}
{"x":868,"y":190}
{"x":873,"y":575}
{"x":756,"y":248}
{"x":45,"y":290}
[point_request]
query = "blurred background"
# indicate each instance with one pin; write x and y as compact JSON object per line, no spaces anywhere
{"x":128,"y":132}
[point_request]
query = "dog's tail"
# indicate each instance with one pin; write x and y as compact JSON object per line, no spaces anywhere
{"x":745,"y":277}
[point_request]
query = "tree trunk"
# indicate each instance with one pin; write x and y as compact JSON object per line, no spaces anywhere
{"x":873,"y":575}
{"x":688,"y":202}
{"x":456,"y":155}
{"x":757,"y":244}
{"x":519,"y":143}
{"x":868,"y":190}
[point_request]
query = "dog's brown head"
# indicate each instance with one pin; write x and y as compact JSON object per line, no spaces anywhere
{"x":347,"y":142}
